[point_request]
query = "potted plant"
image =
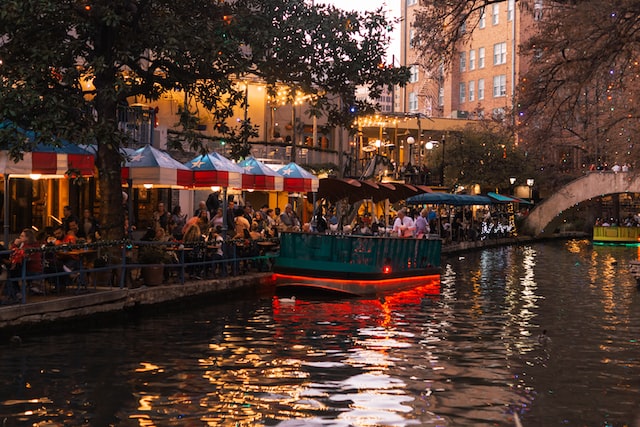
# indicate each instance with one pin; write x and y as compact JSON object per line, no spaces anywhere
{"x":154,"y":257}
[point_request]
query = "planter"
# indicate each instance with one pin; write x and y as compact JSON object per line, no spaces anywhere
{"x":152,"y":275}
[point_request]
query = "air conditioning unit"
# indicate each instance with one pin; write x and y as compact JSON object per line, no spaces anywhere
{"x":461,"y":114}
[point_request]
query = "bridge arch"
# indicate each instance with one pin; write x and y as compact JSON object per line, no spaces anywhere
{"x":594,"y":184}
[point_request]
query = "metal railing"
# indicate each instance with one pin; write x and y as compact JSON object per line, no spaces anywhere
{"x":119,"y":264}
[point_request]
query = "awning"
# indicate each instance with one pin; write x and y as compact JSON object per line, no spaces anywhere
{"x":297,"y":179}
{"x":449,"y":199}
{"x":213,"y":169}
{"x":260,"y":177}
{"x":150,"y":166}
{"x":501,"y":198}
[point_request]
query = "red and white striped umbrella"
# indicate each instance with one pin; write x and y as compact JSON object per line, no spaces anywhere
{"x":150,"y":166}
{"x":48,"y":161}
{"x":213,"y":169}
{"x":297,"y":179}
{"x":260,"y":177}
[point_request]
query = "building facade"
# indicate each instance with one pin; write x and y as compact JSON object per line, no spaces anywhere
{"x":481,"y":81}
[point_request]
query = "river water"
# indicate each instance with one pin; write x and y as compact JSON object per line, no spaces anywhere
{"x":465,"y":352}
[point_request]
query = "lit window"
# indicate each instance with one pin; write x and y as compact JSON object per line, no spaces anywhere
{"x":500,"y":53}
{"x":499,"y":86}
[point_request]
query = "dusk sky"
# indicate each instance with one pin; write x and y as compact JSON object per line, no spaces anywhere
{"x":391,"y":6}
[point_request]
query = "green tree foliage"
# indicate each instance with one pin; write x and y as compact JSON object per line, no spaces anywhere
{"x":139,"y":49}
{"x":485,"y":157}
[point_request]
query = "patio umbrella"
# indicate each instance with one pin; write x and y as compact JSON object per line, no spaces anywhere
{"x":258,"y":176}
{"x":151,"y":166}
{"x":47,"y":162}
{"x":213,"y":169}
{"x":297,"y":179}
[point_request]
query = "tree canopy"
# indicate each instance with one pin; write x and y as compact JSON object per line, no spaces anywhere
{"x":580,"y":89}
{"x":67,"y":65}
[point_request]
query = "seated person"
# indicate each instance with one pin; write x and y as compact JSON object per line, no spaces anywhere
{"x":20,"y":255}
{"x":242,"y":227}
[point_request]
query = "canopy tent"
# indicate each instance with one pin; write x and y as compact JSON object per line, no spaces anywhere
{"x":213,"y":169}
{"x":258,"y":176}
{"x":61,"y":159}
{"x":297,"y":179}
{"x":148,"y":166}
{"x":449,"y":199}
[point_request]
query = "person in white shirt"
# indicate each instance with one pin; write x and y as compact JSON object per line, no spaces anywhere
{"x":421,"y":224}
{"x":403,"y":226}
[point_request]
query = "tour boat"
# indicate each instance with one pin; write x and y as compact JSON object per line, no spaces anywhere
{"x":616,"y":234}
{"x":355,"y":264}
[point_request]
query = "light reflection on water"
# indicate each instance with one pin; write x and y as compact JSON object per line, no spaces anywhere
{"x":466,"y":355}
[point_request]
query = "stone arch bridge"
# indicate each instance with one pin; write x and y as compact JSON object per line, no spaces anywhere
{"x":544,"y":218}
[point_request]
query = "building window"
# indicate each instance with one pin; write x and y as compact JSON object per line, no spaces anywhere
{"x":413,"y":101}
{"x":483,"y":19}
{"x":413,"y":74}
{"x":472,"y":90}
{"x":510,"y":7}
{"x":495,"y":13}
{"x":472,"y":60}
{"x":463,"y":92}
{"x":499,"y":86}
{"x":412,"y":36}
{"x":411,"y":2}
{"x":538,"y":9}
{"x":463,"y":61}
{"x":481,"y":57}
{"x":500,"y":53}
{"x":480,"y":89}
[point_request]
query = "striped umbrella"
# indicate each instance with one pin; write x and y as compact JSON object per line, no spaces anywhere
{"x":297,"y":179}
{"x":258,"y":176}
{"x":150,"y":166}
{"x":213,"y":169}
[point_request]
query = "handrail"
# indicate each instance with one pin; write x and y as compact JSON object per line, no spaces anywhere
{"x":123,"y":263}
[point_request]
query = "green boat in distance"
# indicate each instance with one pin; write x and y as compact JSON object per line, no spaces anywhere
{"x":355,"y":264}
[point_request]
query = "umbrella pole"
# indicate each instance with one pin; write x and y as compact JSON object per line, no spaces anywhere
{"x":6,"y":210}
{"x":225,"y":223}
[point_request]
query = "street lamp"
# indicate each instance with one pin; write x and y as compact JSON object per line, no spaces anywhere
{"x":512,"y":181}
{"x":530,"y":183}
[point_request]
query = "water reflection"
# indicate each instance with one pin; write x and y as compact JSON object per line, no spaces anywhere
{"x":461,"y":352}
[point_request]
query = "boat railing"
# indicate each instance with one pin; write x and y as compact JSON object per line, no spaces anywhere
{"x":360,"y":250}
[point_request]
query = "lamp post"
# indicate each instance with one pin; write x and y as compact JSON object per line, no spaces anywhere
{"x":530,"y":183}
{"x":442,"y":163}
{"x":512,"y":181}
{"x":411,"y":140}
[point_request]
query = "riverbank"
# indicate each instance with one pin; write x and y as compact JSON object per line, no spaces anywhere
{"x":94,"y":301}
